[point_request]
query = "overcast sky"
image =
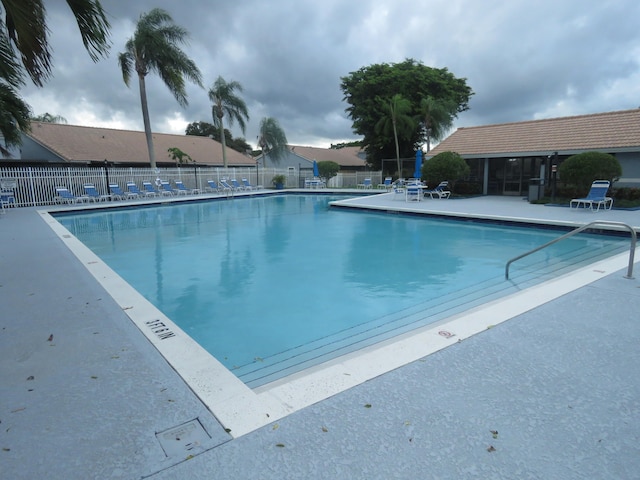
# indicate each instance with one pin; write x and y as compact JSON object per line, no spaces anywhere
{"x":524,"y":60}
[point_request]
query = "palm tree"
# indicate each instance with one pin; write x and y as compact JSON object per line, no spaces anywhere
{"x":225,"y":101}
{"x":436,"y":117}
{"x":397,"y":119}
{"x":23,"y":27}
{"x":272,"y":139}
{"x":155,"y":47}
{"x":49,"y":118}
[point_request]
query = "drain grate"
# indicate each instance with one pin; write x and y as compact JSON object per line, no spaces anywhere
{"x":182,"y":439}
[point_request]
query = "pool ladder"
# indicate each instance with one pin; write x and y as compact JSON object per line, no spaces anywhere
{"x":632,"y":249}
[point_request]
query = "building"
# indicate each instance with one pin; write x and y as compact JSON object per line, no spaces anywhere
{"x":505,"y":157}
{"x":350,"y":159}
{"x":55,"y":143}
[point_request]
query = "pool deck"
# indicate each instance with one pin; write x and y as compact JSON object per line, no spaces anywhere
{"x":553,"y":393}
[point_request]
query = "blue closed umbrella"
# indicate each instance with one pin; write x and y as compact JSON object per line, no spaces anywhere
{"x":418,"y":172}
{"x":316,"y":173}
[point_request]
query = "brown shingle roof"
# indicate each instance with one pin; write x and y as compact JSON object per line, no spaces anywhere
{"x":345,"y":157}
{"x":84,"y":144}
{"x":610,"y":132}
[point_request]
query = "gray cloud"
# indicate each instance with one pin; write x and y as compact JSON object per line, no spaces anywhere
{"x":524,"y":60}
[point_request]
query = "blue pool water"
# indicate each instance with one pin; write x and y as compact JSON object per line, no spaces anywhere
{"x":273,"y":285}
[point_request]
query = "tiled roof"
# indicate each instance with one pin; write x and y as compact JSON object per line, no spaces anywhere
{"x":345,"y":157}
{"x":83,"y":144}
{"x":611,"y":132}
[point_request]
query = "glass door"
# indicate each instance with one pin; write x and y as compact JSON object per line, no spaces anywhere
{"x":512,"y":184}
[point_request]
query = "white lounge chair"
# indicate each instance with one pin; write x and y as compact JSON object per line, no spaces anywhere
{"x":440,"y":191}
{"x":597,"y":196}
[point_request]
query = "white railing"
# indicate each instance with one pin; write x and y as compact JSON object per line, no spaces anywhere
{"x":36,"y":186}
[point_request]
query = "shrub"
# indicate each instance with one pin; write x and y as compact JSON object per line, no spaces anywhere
{"x":584,"y":168}
{"x":446,"y":166}
{"x":328,"y":169}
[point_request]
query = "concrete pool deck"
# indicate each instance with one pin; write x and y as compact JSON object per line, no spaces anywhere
{"x":551,"y":393}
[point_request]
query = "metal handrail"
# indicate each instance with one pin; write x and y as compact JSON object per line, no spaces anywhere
{"x":632,"y":248}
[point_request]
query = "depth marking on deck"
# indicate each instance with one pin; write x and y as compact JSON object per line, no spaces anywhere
{"x":160,"y":329}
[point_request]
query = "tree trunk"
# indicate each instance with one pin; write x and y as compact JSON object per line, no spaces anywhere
{"x":223,"y":140}
{"x":395,"y":137}
{"x":147,"y":125}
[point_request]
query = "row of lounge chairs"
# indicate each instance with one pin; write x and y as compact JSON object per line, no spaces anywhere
{"x":164,"y":188}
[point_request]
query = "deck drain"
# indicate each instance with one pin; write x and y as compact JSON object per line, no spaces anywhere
{"x":183,"y":439}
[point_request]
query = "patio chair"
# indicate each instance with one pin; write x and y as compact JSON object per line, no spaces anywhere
{"x":237,"y":186}
{"x":597,"y":196}
{"x":149,"y":190}
{"x":399,"y":192}
{"x":181,"y":189}
{"x":166,"y":189}
{"x":226,"y":187}
{"x":439,"y":192}
{"x":64,"y":195}
{"x":213,"y":186}
{"x":118,"y":194}
{"x":248,"y":186}
{"x":365,"y":184}
{"x":413,"y":193}
{"x":133,"y":188}
{"x":387,"y":184}
{"x":92,"y":194}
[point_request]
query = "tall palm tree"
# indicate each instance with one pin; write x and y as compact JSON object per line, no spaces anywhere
{"x":396,"y":120}
{"x":436,"y":117}
{"x":155,"y":47}
{"x":225,"y":101}
{"x":23,"y":26}
{"x":272,"y":139}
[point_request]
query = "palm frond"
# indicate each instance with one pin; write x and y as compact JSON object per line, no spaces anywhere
{"x":10,"y":68}
{"x":273,"y":140}
{"x":27,"y":29}
{"x":15,"y":116}
{"x":94,"y":26}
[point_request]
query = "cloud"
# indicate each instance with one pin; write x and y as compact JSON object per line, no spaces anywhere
{"x":524,"y":60}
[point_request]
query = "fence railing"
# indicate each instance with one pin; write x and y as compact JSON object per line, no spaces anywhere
{"x":36,"y":186}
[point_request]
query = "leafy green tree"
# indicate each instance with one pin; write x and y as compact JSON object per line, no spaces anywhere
{"x":226,"y":102}
{"x":328,"y":169}
{"x":204,"y":129}
{"x":49,"y":118}
{"x":179,"y":156}
{"x":584,"y":168}
{"x":446,"y":166}
{"x":24,"y":48}
{"x":155,"y":47}
{"x":436,"y":117}
{"x":396,"y":120}
{"x":411,"y":79}
{"x":272,"y":139}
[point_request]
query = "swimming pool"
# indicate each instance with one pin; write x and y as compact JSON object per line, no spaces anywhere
{"x":272,"y":285}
